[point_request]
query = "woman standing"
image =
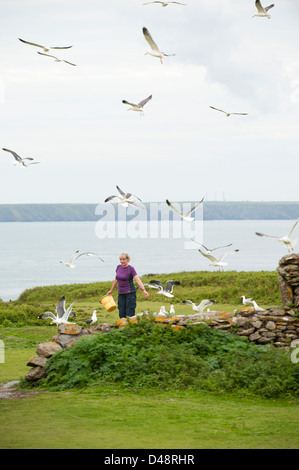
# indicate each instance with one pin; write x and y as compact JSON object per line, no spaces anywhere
{"x":125,"y":277}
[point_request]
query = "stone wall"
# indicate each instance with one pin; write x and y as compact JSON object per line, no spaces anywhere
{"x":288,"y":279}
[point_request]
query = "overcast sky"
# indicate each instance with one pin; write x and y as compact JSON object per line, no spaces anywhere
{"x":72,"y":119}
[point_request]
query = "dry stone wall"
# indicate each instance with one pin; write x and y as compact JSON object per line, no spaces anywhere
{"x":288,"y":279}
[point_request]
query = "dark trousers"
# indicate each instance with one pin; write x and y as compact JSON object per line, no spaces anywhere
{"x":127,"y":304}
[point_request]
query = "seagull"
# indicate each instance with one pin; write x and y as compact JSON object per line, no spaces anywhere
{"x":62,"y":315}
{"x":164,"y":4}
{"x":246,"y":301}
{"x":155,"y":52}
{"x":209,"y":250}
{"x":46,"y":49}
{"x":167,"y":292}
{"x":286,"y":239}
{"x":138,"y":107}
{"x":93,"y":319}
{"x":75,"y":256}
{"x":200,"y":307}
{"x":228,"y":114}
{"x":125,"y":199}
{"x":162,"y":312}
{"x":20,"y":160}
{"x":261,"y":10}
{"x":186,"y":216}
{"x":256,"y":307}
{"x":218,"y":262}
{"x":56,"y":59}
{"x":172,"y":310}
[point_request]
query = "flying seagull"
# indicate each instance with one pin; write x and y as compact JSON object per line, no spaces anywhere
{"x":246,"y":301}
{"x":93,"y":319}
{"x":218,"y":262}
{"x":125,"y":199}
{"x":164,"y":4}
{"x":22,"y":161}
{"x":167,"y":292}
{"x":62,"y":315}
{"x":209,"y":250}
{"x":75,"y":256}
{"x":263,"y":12}
{"x":228,"y":114}
{"x":138,"y":107}
{"x":187,"y":217}
{"x":286,"y":239}
{"x":46,"y":49}
{"x":155,"y":52}
{"x":56,"y":59}
{"x":201,"y":306}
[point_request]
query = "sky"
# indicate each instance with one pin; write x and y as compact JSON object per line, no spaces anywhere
{"x":72,"y":119}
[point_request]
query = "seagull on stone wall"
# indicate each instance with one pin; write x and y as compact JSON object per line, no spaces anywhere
{"x":62,"y":314}
{"x":246,"y":301}
{"x":288,"y":242}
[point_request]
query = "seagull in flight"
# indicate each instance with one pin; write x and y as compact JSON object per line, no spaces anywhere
{"x":187,"y":217}
{"x":46,"y":49}
{"x":228,"y":114}
{"x":164,"y":4}
{"x":62,"y":315}
{"x":289,"y":243}
{"x":262,"y":12}
{"x":22,"y":161}
{"x":155,"y":52}
{"x":201,"y":306}
{"x":209,"y":250}
{"x":167,"y":292}
{"x":218,"y":262}
{"x":246,"y":301}
{"x":125,"y":199}
{"x":56,"y":59}
{"x":138,"y":107}
{"x":75,"y":256}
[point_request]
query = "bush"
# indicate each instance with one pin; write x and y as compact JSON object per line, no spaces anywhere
{"x":154,"y":356}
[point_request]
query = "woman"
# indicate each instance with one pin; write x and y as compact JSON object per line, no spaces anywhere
{"x":125,"y":275}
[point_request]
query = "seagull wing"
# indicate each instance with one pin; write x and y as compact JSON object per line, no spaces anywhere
{"x":157,"y":283}
{"x":195,"y":207}
{"x":212,"y":258}
{"x":292,"y":229}
{"x":70,"y":63}
{"x":227,"y":253}
{"x":31,"y":43}
{"x":17,"y":157}
{"x":74,"y":257}
{"x":259,"y":6}
{"x":221,"y":110}
{"x":170,"y":284}
{"x":189,"y":302}
{"x":110,"y":197}
{"x":205,"y":303}
{"x":173,"y":208}
{"x":61,"y":47}
{"x":88,"y":253}
{"x":150,"y":285}
{"x":60,"y":309}
{"x":268,"y":7}
{"x":130,"y":104}
{"x":48,"y":55}
{"x":240,"y":114}
{"x":149,"y":39}
{"x":46,"y":315}
{"x":120,"y":190}
{"x":143,"y":102}
{"x":265,"y":235}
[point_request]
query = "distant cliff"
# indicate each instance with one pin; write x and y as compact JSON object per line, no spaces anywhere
{"x":212,"y":210}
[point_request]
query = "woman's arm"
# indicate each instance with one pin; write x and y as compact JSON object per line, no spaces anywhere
{"x":139,"y":282}
{"x":112,"y":287}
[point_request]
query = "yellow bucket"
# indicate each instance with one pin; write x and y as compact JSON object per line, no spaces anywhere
{"x":108,"y":302}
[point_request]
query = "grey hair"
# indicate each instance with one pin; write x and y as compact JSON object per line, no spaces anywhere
{"x":124,"y":255}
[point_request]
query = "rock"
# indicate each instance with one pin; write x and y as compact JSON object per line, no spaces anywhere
{"x":35,"y":373}
{"x":47,"y":349}
{"x":271,"y":325}
{"x":255,"y":336}
{"x":37,"y":361}
{"x":69,"y":329}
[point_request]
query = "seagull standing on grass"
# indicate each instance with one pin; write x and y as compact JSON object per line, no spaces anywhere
{"x":262,"y":12}
{"x":200,"y":307}
{"x":22,"y":161}
{"x":138,"y":107}
{"x":75,"y":256}
{"x":125,"y":199}
{"x":172,"y":310}
{"x":167,"y":292}
{"x":164,"y":4}
{"x":62,"y":315}
{"x":155,"y":52}
{"x":228,"y":114}
{"x":46,"y":49}
{"x":93,"y":319}
{"x":289,"y":243}
{"x":187,"y":217}
{"x":218,"y":262}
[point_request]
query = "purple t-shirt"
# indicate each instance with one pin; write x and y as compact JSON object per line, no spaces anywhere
{"x":124,"y":278}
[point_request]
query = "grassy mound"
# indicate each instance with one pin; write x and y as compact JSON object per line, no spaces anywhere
{"x":146,"y":354}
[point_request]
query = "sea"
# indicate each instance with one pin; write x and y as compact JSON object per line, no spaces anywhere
{"x":30,"y":252}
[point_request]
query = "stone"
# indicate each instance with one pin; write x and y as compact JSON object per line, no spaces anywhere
{"x":256,"y":324}
{"x":271,"y":325}
{"x":37,"y":361}
{"x":47,"y":349}
{"x":247,"y":332}
{"x":264,"y":340}
{"x":255,"y":336}
{"x":69,"y":329}
{"x":35,"y":373}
